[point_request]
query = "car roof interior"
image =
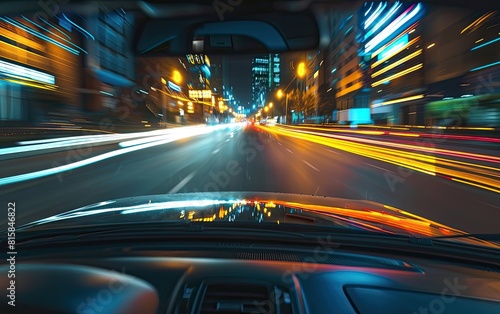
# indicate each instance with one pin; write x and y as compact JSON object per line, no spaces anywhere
{"x":175,"y":27}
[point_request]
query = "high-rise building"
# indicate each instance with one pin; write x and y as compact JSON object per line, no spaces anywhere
{"x":409,"y":65}
{"x":110,"y":62}
{"x":217,"y":73}
{"x":266,"y":77}
{"x":462,"y":69}
{"x":260,"y":80}
{"x":348,"y":77}
{"x":275,"y":72}
{"x":392,"y":51}
{"x":312,"y":79}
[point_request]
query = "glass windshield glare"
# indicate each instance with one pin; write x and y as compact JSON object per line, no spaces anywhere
{"x":397,"y":106}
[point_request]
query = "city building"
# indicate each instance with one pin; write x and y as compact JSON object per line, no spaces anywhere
{"x":462,"y":68}
{"x":218,"y":72}
{"x":326,"y":95}
{"x":431,"y":65}
{"x":313,"y":65}
{"x":71,"y":63}
{"x":40,"y":62}
{"x":109,"y":62}
{"x":392,"y":45}
{"x":266,"y":77}
{"x":344,"y":94}
{"x":175,"y":89}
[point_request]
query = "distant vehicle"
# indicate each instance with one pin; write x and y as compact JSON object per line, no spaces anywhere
{"x":355,"y":116}
{"x":271,"y":121}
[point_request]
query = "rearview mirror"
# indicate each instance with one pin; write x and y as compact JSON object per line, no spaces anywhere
{"x":242,"y":34}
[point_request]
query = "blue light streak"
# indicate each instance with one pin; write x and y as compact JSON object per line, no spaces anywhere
{"x":53,"y":26}
{"x":375,"y":14}
{"x":174,"y":86}
{"x":38,"y":34}
{"x":126,"y":147}
{"x":14,"y":70}
{"x":391,"y":12}
{"x":393,"y":47}
{"x":347,"y":31}
{"x":486,"y":66}
{"x":48,"y":31}
{"x":83,"y":31}
{"x":105,"y":93}
{"x":368,"y":11}
{"x":393,"y":27}
{"x":486,"y":44}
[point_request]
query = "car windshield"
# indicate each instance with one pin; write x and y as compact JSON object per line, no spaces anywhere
{"x":394,"y":103}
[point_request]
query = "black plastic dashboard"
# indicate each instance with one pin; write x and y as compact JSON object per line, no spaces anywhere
{"x":244,"y":280}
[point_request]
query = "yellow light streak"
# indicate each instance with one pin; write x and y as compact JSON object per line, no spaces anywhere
{"x":399,"y":62}
{"x":395,"y":101}
{"x":409,"y":30}
{"x":395,"y":76}
{"x":404,"y":134}
{"x":477,"y":185}
{"x":478,"y":175}
{"x":395,"y":52}
{"x":37,"y":85}
{"x":478,"y":21}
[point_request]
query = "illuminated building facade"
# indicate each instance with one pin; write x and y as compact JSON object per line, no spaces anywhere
{"x":204,"y":75}
{"x":275,"y":72}
{"x":313,"y":65}
{"x":38,"y":58}
{"x":110,"y":63}
{"x":342,"y":78}
{"x":431,"y":65}
{"x":68,"y":63}
{"x":392,"y":52}
{"x":200,"y":73}
{"x":171,"y":88}
{"x":462,"y":67}
{"x":217,"y":73}
{"x":266,"y":77}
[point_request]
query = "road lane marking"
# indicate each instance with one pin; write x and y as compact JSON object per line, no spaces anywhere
{"x":216,"y":151}
{"x":332,"y":151}
{"x":82,"y":163}
{"x":228,"y":140}
{"x":279,"y":144}
{"x":181,"y":184}
{"x":489,"y":205}
{"x":379,"y":168}
{"x":119,"y":168}
{"x":289,"y":151}
{"x":311,"y":166}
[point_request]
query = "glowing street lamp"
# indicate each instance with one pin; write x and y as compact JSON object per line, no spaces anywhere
{"x":301,"y":70}
{"x":279,"y":94}
{"x":177,"y":77}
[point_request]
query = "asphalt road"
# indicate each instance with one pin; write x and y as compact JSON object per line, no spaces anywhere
{"x":243,"y":159}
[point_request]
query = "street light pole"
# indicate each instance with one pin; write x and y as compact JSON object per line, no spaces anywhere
{"x":301,"y":73}
{"x":286,"y":108}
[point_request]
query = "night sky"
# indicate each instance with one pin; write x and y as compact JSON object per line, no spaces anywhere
{"x":240,"y":77}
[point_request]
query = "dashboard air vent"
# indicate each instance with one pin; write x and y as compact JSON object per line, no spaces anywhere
{"x":244,"y":298}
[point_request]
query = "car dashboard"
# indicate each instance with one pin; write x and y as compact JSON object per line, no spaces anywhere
{"x":247,"y":278}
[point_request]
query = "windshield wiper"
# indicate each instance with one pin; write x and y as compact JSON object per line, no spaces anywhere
{"x":481,"y":236}
{"x":129,"y":231}
{"x":189,"y":230}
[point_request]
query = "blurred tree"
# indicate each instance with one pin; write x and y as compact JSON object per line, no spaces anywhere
{"x":304,"y":103}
